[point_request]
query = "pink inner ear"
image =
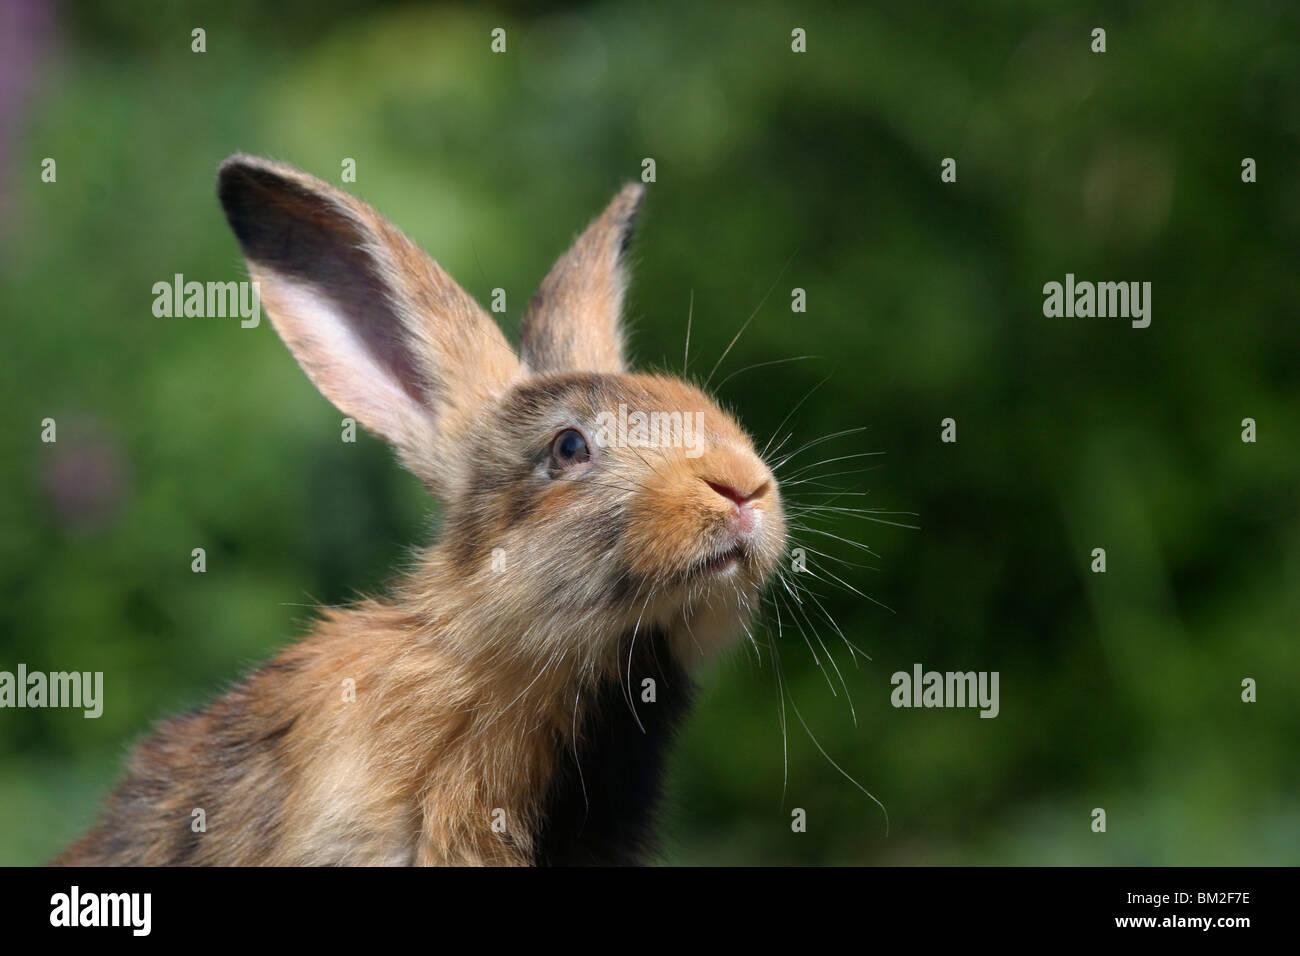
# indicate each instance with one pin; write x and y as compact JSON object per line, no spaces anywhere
{"x":371,"y":378}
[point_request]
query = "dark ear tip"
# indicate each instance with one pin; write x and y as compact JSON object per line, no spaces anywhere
{"x":234,"y":167}
{"x":233,"y":179}
{"x":629,"y":209}
{"x":251,"y":189}
{"x":246,"y":187}
{"x":243,"y":169}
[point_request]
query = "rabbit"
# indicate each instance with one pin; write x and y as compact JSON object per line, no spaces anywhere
{"x":512,"y":700}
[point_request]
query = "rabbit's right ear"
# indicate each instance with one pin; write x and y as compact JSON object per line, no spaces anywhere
{"x":381,"y":330}
{"x":573,"y":323}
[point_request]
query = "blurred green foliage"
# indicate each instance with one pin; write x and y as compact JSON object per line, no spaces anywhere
{"x":774,"y":170}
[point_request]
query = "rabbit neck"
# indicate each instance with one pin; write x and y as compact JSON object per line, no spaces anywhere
{"x":602,"y":797}
{"x":567,"y":759}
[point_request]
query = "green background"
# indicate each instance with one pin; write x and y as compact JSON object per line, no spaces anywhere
{"x":775,"y":170}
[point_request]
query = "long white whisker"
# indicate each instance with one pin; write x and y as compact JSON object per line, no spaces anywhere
{"x":842,"y":771}
{"x":741,"y":332}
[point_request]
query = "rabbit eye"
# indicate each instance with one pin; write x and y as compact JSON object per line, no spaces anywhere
{"x":569,"y":448}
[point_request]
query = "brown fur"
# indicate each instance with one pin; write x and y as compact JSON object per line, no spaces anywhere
{"x":572,"y":321}
{"x":469,"y":680}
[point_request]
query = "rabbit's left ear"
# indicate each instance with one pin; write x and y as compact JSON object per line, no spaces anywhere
{"x":573,"y":323}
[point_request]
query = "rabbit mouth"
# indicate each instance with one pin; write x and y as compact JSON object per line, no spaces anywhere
{"x":723,"y":561}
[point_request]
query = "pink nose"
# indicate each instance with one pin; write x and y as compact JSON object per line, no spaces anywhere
{"x":745,"y":518}
{"x":739,"y":497}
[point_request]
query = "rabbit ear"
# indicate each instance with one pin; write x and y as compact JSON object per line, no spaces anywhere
{"x":381,"y":330}
{"x":572,"y":323}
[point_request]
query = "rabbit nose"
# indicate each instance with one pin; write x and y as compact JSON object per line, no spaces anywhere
{"x":734,"y":494}
{"x":744,"y":520}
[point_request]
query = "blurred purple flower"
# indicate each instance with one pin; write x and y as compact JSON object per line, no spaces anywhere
{"x":85,"y":477}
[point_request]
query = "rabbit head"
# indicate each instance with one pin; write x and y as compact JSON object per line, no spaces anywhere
{"x":580,"y":500}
